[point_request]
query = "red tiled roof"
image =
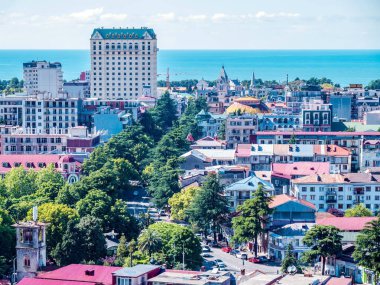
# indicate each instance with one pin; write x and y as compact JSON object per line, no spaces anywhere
{"x":37,"y":281}
{"x":77,"y":272}
{"x":283,"y":198}
{"x":317,"y":133}
{"x":346,"y":223}
{"x":300,"y":168}
{"x":29,"y":158}
{"x":243,"y":150}
{"x":339,"y":281}
{"x":331,"y":150}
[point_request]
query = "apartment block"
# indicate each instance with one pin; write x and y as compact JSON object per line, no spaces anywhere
{"x":123,"y":63}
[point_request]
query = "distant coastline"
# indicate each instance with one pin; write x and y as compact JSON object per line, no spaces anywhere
{"x":342,"y":66}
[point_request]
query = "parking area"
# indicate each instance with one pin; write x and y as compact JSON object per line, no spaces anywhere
{"x":234,"y":262}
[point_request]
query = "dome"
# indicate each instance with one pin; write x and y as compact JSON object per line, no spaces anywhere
{"x":67,"y":159}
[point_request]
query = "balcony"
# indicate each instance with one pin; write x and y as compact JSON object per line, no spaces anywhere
{"x":331,"y":199}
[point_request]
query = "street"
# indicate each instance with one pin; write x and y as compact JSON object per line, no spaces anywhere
{"x":235,"y":264}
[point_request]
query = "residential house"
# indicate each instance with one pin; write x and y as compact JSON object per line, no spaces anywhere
{"x":293,"y":234}
{"x":340,"y":191}
{"x":208,"y":143}
{"x":282,"y":174}
{"x":243,"y":190}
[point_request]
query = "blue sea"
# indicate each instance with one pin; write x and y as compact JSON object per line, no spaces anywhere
{"x":342,"y":66}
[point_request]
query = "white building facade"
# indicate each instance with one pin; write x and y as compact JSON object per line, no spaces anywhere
{"x":43,"y":77}
{"x":123,"y":63}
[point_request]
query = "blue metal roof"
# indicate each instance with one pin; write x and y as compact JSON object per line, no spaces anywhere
{"x":125,"y":33}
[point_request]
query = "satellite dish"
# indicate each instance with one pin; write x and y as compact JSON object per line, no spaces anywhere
{"x":292,"y":269}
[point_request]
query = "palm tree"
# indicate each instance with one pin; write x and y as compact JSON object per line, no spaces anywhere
{"x":149,"y":241}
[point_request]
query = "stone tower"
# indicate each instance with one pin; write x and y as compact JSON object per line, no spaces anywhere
{"x":30,"y":247}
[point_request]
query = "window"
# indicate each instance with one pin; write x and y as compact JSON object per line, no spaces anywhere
{"x":303,"y":189}
{"x":312,"y":189}
{"x":321,"y":198}
{"x":26,"y":261}
{"x":312,"y":197}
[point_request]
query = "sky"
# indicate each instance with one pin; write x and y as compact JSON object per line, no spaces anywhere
{"x":195,"y":24}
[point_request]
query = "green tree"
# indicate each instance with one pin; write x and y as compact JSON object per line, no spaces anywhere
{"x":367,"y":249}
{"x":163,"y":183}
{"x":19,"y":182}
{"x":209,"y":205}
{"x":49,"y":181}
{"x":122,"y":251}
{"x":222,"y":131}
{"x":132,"y":246}
{"x":7,"y":241}
{"x":250,"y":222}
{"x":289,"y":259}
{"x":82,"y":241}
{"x":177,"y":240}
{"x":113,"y":178}
{"x":58,"y":217}
{"x":165,"y":112}
{"x":132,"y":144}
{"x":358,"y":211}
{"x":374,"y":84}
{"x":149,"y":241}
{"x":96,"y":204}
{"x":180,"y":202}
{"x":325,"y":241}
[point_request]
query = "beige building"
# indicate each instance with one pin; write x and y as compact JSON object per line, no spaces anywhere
{"x":123,"y":63}
{"x":43,"y":77}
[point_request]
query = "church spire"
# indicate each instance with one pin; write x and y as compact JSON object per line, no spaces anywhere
{"x":253,"y":80}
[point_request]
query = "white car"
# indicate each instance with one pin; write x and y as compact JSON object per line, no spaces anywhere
{"x":242,"y":255}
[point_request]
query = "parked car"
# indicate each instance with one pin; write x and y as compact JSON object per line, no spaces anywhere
{"x":222,"y":267}
{"x":226,"y":249}
{"x":163,"y":213}
{"x":218,"y":262}
{"x":206,"y":254}
{"x":242,"y":256}
{"x":206,"y":248}
{"x":263,"y":259}
{"x":234,"y":252}
{"x":254,"y":259}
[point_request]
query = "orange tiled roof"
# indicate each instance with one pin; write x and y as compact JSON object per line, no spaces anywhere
{"x":283,"y":198}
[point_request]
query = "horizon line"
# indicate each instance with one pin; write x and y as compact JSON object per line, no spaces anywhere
{"x":206,"y":49}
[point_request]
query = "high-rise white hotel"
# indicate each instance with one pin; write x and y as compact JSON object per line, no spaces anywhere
{"x":123,"y":63}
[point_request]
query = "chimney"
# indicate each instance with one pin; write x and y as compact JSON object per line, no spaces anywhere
{"x":89,"y":272}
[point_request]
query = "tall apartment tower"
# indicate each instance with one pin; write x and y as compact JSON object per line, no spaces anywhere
{"x":123,"y":63}
{"x":43,"y":77}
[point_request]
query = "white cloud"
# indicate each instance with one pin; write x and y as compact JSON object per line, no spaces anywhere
{"x":89,"y":16}
{"x":266,"y":15}
{"x":165,"y":17}
{"x":86,"y":15}
{"x":192,"y":18}
{"x":115,"y":17}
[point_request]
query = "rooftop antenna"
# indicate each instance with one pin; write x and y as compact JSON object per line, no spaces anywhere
{"x":35,"y":214}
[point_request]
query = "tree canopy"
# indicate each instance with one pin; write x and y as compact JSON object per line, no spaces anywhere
{"x":252,"y":217}
{"x":359,"y":210}
{"x":325,"y":241}
{"x":367,"y":249}
{"x":209,"y":205}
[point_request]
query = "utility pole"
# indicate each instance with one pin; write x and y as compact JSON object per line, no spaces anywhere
{"x":183,"y":257}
